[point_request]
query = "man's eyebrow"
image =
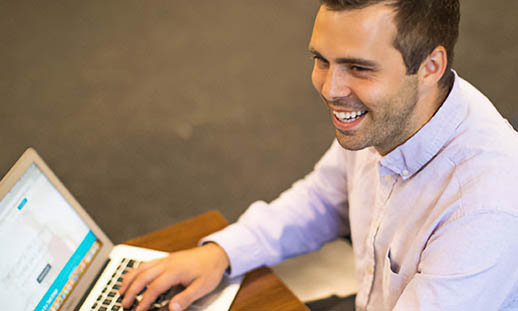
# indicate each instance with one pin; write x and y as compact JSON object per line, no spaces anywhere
{"x":348,"y":60}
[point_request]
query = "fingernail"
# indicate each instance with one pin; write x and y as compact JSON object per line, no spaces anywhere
{"x":176,"y":306}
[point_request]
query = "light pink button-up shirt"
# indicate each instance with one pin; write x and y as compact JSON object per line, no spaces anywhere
{"x":434,"y":223}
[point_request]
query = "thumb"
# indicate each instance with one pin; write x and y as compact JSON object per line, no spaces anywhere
{"x":186,"y":297}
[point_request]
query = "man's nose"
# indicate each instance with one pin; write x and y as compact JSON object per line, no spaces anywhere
{"x":336,"y":85}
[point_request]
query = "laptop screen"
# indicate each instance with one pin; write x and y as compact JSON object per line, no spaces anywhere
{"x":45,"y":245}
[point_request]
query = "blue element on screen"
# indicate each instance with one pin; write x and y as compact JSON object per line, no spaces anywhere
{"x":22,"y":204}
{"x":65,"y":273}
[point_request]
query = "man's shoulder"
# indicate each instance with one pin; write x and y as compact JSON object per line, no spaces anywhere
{"x":485,"y":169}
{"x":483,"y":141}
{"x":483,"y":152}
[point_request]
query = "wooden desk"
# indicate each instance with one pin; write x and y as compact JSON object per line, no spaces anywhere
{"x":261,"y":289}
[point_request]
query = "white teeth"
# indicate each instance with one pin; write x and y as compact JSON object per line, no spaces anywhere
{"x":348,"y":116}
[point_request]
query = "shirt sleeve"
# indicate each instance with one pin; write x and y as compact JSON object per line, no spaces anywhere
{"x":469,"y":264}
{"x":310,"y":213}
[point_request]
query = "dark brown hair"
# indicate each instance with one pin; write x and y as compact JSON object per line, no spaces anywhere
{"x":422,"y":25}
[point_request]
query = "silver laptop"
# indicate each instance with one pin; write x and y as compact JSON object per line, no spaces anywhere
{"x":54,"y":257}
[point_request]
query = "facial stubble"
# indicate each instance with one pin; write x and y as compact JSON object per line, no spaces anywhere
{"x":390,"y":121}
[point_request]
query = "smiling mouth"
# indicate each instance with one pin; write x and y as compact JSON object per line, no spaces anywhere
{"x":349,"y":117}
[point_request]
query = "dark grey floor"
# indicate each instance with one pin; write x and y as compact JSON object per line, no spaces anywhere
{"x":155,"y":111}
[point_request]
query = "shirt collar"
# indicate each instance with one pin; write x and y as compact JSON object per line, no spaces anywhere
{"x":416,"y":152}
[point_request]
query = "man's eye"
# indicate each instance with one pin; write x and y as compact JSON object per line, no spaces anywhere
{"x":359,"y":69}
{"x":320,"y":62}
{"x":319,"y":59}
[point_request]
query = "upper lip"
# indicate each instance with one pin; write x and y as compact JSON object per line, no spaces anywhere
{"x":344,"y":109}
{"x":344,"y":106}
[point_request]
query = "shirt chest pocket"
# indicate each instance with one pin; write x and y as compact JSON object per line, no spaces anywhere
{"x":393,"y":280}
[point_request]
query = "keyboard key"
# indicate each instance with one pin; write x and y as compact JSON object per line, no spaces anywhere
{"x":131,"y":263}
{"x":110,"y":292}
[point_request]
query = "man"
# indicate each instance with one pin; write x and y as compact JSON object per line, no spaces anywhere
{"x":421,"y":175}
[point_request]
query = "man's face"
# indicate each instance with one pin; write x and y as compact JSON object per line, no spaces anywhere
{"x":362,"y":78}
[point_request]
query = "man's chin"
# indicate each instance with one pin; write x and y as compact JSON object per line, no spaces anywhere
{"x":350,"y":141}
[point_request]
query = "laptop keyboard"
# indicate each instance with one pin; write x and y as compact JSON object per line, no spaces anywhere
{"x":110,"y":300}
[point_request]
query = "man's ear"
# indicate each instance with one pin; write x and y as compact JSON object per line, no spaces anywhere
{"x":433,"y":67}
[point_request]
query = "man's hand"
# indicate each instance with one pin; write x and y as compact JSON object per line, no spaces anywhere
{"x":199,"y":269}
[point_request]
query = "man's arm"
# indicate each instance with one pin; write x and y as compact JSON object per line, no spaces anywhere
{"x":302,"y":219}
{"x":310,"y":213}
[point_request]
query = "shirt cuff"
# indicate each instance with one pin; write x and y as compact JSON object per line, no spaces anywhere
{"x":241,"y":247}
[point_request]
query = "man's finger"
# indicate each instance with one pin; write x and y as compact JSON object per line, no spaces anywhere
{"x":185,"y":298}
{"x":127,"y":279}
{"x":139,"y":283}
{"x":133,"y":273}
{"x":155,"y":288}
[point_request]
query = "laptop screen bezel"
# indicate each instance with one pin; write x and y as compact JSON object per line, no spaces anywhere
{"x":29,"y":157}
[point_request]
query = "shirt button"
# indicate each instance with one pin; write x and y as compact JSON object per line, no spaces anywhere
{"x":405,"y":173}
{"x":388,"y":178}
{"x":370,"y":270}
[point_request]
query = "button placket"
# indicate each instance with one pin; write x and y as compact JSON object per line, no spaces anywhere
{"x":366,"y":286}
{"x":385,"y":188}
